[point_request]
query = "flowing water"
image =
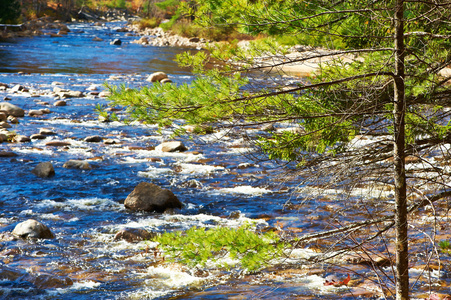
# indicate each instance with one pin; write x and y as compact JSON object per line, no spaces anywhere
{"x":216,"y":183}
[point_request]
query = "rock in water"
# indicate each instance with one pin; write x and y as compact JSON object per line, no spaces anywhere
{"x":157,"y":76}
{"x":132,"y":235}
{"x":32,"y":229}
{"x":48,"y":281}
{"x":44,"y":169}
{"x":11,"y":109}
{"x":93,"y":139}
{"x":116,"y":42}
{"x":150,"y":197}
{"x":172,"y":146}
{"x":21,"y":139}
{"x":77,"y":164}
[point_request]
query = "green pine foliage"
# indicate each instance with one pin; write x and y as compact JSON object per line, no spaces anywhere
{"x":9,"y":11}
{"x":344,"y":99}
{"x":199,"y":246}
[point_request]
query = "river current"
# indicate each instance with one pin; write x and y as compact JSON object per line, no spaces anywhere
{"x":216,"y":182}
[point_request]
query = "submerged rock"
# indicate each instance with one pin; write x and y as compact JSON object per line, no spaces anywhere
{"x":32,"y":229}
{"x":150,"y":197}
{"x":11,"y":109}
{"x":48,"y":281}
{"x":77,"y":164}
{"x":44,"y":169}
{"x":8,"y":273}
{"x":7,"y":154}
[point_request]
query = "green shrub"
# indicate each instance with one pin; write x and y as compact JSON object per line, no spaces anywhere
{"x":445,"y":246}
{"x":148,"y":23}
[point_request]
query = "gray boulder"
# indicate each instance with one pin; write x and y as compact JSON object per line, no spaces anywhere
{"x":32,"y":229}
{"x":150,"y":197}
{"x":11,"y":109}
{"x":44,"y":169}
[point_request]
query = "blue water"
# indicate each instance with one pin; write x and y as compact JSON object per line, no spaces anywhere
{"x":76,"y":53}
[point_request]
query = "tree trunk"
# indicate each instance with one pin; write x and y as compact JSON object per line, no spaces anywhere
{"x":402,"y":261}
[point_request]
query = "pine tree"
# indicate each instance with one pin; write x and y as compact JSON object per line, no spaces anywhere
{"x":381,"y":81}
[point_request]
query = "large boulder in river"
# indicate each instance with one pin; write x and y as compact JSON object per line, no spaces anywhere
{"x":11,"y":109}
{"x":44,"y":169}
{"x":157,"y":76}
{"x":172,"y":146}
{"x":32,"y":229}
{"x":150,"y":197}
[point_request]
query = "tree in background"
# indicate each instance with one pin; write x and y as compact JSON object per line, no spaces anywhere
{"x":375,"y":114}
{"x":9,"y":11}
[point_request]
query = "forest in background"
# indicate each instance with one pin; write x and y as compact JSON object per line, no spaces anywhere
{"x":17,"y":11}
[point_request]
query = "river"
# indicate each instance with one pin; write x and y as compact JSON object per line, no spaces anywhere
{"x":215,"y":180}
